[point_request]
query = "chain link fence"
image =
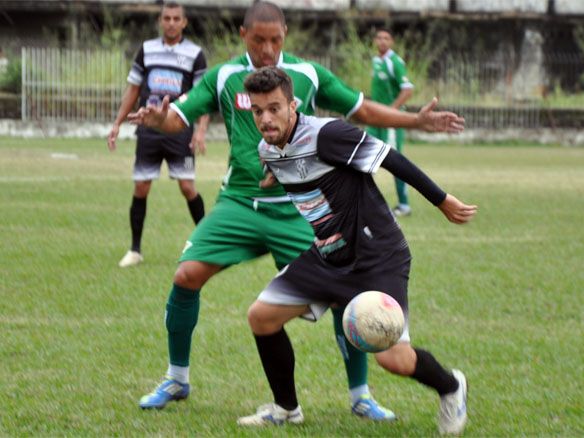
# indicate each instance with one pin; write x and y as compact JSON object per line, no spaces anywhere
{"x":491,"y":93}
{"x":72,"y":85}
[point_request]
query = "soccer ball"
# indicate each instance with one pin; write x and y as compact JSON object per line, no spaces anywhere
{"x":373,"y":321}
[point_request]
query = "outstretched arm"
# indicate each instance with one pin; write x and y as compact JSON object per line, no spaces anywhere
{"x":158,"y":117}
{"x":376,"y":114}
{"x":454,"y":210}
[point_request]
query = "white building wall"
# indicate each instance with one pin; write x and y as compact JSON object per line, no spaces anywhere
{"x":569,"y":7}
{"x":403,"y":5}
{"x":493,"y":6}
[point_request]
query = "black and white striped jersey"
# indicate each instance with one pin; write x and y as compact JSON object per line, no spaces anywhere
{"x":160,"y":69}
{"x":327,"y":169}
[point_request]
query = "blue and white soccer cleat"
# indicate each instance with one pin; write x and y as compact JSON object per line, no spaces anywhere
{"x":167,"y":391}
{"x":368,"y":408}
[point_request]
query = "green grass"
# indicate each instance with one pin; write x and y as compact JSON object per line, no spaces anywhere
{"x":81,"y":340}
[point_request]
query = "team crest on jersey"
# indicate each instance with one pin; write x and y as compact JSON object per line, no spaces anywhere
{"x":181,"y":60}
{"x":182,"y":98}
{"x":301,"y":168}
{"x":242,"y":101}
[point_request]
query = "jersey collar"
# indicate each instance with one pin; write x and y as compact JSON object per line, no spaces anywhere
{"x":387,"y":54}
{"x":169,"y":46}
{"x":252,"y":67}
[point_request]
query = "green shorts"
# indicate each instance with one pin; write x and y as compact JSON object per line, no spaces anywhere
{"x":240,"y":229}
{"x":393,"y":136}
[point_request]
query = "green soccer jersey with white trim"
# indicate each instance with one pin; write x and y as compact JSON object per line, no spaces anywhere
{"x":389,"y":77}
{"x":221,"y":89}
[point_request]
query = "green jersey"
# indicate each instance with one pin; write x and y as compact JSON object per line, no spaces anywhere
{"x":221,"y":89}
{"x":389,"y":78}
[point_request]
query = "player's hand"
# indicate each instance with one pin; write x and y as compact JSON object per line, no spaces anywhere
{"x":152,"y":116}
{"x":268,"y":181}
{"x":456,"y":211}
{"x":439,"y":121}
{"x":197,"y":144}
{"x":112,"y":137}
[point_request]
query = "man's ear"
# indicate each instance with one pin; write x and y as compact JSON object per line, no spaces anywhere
{"x":242,"y":31}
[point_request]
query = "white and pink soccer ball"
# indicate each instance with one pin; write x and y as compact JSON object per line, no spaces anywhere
{"x":373,"y":321}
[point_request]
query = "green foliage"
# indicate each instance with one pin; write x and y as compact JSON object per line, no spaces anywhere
{"x":221,"y":42}
{"x":352,"y":58}
{"x":11,"y":77}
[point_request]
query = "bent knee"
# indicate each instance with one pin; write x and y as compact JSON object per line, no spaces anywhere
{"x":261,"y":320}
{"x":399,"y":359}
{"x":194,"y":274}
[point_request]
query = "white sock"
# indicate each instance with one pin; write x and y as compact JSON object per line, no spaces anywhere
{"x":357,"y":392}
{"x":180,"y":374}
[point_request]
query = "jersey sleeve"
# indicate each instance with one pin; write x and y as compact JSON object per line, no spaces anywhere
{"x":334,"y":95}
{"x":199,"y":68}
{"x":342,"y":144}
{"x":201,"y":99}
{"x":136,"y":75}
{"x":401,"y":74}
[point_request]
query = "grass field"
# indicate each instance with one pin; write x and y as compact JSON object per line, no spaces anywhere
{"x":81,"y":340}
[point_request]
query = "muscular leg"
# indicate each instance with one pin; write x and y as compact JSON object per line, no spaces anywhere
{"x":404,"y":360}
{"x":274,"y":348}
{"x":182,"y":309}
{"x":194,"y":199}
{"x":138,"y":212}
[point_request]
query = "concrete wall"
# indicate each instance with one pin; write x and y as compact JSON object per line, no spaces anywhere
{"x":536,"y":6}
{"x":569,"y":7}
{"x":403,"y":5}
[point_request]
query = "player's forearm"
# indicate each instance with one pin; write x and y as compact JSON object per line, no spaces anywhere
{"x":171,"y":124}
{"x":408,"y":172}
{"x":383,"y":116}
{"x":129,"y":99}
{"x":402,"y":98}
{"x":203,"y":123}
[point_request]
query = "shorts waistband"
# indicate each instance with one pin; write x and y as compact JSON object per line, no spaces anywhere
{"x":272,"y":199}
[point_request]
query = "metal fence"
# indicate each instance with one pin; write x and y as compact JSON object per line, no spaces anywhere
{"x":493,"y":93}
{"x":74,"y":85}
{"x":507,"y":92}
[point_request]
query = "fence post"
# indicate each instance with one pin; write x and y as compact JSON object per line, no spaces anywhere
{"x":23,"y":84}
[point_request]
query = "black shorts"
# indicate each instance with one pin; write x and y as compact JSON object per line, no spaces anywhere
{"x":308,"y":280}
{"x":153,"y":147}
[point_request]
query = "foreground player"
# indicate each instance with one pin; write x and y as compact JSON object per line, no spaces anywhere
{"x":248,"y":221}
{"x":326,"y":166}
{"x":168,"y":65}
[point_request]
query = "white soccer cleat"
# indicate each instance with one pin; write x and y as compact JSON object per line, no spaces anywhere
{"x":132,"y":258}
{"x":402,"y":210}
{"x":453,"y":408}
{"x":272,"y":414}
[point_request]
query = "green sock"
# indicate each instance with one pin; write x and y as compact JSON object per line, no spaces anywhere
{"x":355,"y":360}
{"x":182,"y":313}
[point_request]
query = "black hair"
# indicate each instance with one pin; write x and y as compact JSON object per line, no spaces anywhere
{"x":264,"y":12}
{"x":268,"y":79}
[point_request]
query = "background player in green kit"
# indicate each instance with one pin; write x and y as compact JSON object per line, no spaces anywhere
{"x":246,"y":221}
{"x":391,"y":86}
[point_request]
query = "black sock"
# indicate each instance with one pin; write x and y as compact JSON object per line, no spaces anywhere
{"x":137,"y":216}
{"x":429,"y":372}
{"x":197,"y":208}
{"x":277,"y":358}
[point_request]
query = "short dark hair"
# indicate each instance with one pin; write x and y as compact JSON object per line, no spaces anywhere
{"x":172,"y":5}
{"x":383,"y":29}
{"x":264,"y":12}
{"x":268,"y":79}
